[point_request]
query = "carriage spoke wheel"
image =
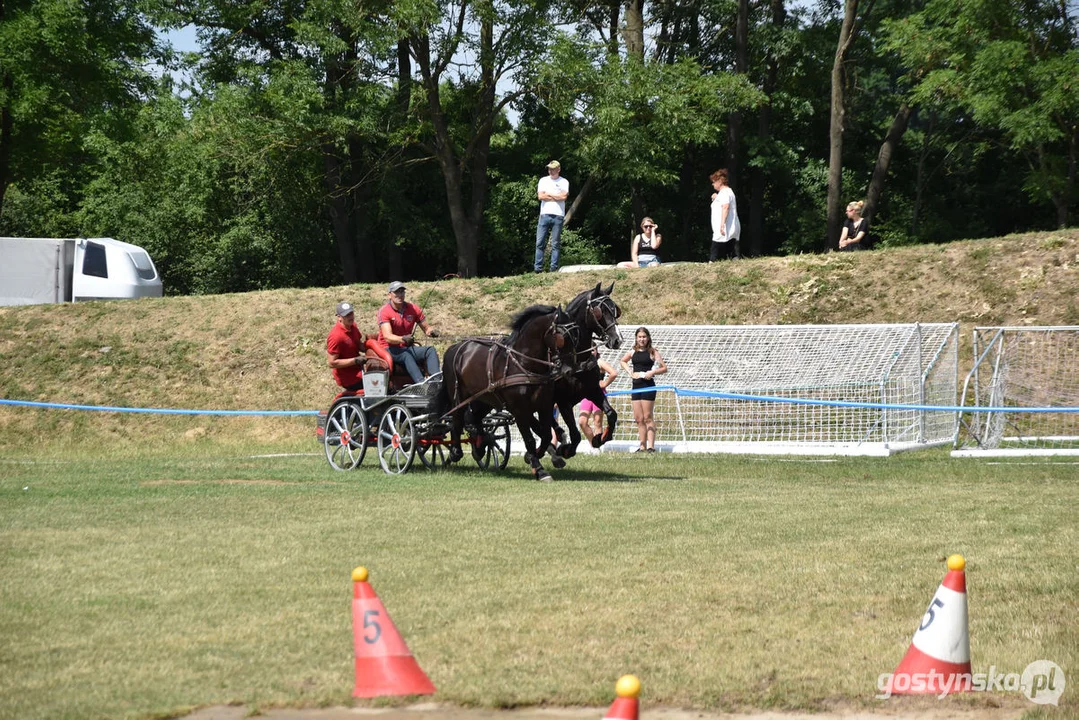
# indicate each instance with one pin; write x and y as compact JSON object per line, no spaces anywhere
{"x":396,"y":440}
{"x":435,"y":454}
{"x":345,"y":438}
{"x":497,"y":433}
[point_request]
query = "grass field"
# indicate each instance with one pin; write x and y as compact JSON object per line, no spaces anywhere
{"x":140,"y":584}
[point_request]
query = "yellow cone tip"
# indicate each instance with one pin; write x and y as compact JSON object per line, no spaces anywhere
{"x":956,"y":562}
{"x":628,"y":686}
{"x":359,"y":574}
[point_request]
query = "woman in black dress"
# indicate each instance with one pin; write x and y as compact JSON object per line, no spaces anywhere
{"x":855,"y":230}
{"x":647,"y":363}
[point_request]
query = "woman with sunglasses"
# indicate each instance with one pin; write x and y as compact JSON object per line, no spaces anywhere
{"x":643,"y":247}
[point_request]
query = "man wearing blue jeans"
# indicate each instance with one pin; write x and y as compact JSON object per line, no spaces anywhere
{"x":397,"y":321}
{"x":552,"y":191}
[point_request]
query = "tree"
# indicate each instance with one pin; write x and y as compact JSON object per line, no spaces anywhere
{"x":68,"y":71}
{"x":1014,"y":68}
{"x":837,"y":122}
{"x":487,"y":43}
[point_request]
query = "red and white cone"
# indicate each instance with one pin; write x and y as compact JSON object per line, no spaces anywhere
{"x":625,"y":706}
{"x":938,"y":660}
{"x":384,"y":666}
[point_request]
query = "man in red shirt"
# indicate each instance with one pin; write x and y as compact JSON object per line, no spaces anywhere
{"x":396,"y":322}
{"x":344,"y":346}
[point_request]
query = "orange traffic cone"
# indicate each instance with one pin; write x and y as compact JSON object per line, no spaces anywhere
{"x":938,"y":660}
{"x":384,"y":666}
{"x":625,"y":707}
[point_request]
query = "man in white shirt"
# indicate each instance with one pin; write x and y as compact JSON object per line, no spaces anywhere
{"x":725,"y":226}
{"x":552,"y":191}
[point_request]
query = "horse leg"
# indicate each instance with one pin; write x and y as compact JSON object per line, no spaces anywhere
{"x":531,"y":457}
{"x":479,"y":438}
{"x":612,"y":423}
{"x":456,"y":425}
{"x":569,"y":449}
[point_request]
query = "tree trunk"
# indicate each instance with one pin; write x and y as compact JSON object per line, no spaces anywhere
{"x":402,"y":102}
{"x":6,"y":131}
{"x":920,"y":179}
{"x":884,"y":160}
{"x":690,"y":196}
{"x":359,"y":192}
{"x":633,"y":34}
{"x":741,"y":64}
{"x":612,"y":40}
{"x":756,"y":244}
{"x":581,"y":195}
{"x":837,"y":120}
{"x":340,"y":218}
{"x":466,"y":218}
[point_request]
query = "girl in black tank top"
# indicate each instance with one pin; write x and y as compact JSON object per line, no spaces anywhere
{"x":647,"y":362}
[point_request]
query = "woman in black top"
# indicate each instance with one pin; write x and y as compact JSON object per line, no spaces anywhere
{"x":647,"y":363}
{"x":855,"y":229}
{"x":643,"y":247}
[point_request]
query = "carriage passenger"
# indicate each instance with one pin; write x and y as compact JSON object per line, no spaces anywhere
{"x":344,"y":346}
{"x":397,"y":321}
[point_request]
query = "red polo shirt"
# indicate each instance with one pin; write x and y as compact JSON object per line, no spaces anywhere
{"x":401,"y":323}
{"x":345,"y":344}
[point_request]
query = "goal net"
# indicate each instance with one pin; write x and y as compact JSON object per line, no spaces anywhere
{"x":1020,"y":376}
{"x":808,"y":383}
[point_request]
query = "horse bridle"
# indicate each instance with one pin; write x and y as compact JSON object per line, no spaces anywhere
{"x":596,"y":306}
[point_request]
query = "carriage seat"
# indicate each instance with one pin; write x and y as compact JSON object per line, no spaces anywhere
{"x":379,"y":359}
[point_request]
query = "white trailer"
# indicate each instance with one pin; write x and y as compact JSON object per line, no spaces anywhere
{"x":53,"y":270}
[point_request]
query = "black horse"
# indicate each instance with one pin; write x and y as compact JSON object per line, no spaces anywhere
{"x":593,"y":314}
{"x":517,"y":373}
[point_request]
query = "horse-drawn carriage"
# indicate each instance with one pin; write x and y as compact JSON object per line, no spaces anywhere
{"x":485,"y":384}
{"x":402,"y":425}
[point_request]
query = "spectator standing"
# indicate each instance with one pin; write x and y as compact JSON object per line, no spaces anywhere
{"x":644,"y":246}
{"x":552,"y":192}
{"x":725,"y":226}
{"x":344,"y":347}
{"x":647,"y":362}
{"x":855,"y":234}
{"x":397,"y":321}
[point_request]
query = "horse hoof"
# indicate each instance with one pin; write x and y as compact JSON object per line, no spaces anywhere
{"x":544,"y":477}
{"x":558,"y":461}
{"x":568,"y":451}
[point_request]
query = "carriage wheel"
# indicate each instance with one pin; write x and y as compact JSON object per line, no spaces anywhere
{"x":396,"y":440}
{"x":435,"y":454}
{"x":345,"y":438}
{"x":497,"y":432}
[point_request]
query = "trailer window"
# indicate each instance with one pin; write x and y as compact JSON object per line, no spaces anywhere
{"x":143,"y":266}
{"x":93,"y":261}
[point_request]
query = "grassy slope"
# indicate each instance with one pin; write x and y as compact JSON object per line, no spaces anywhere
{"x":265,"y":350}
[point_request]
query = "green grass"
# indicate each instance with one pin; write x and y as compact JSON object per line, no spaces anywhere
{"x":141,"y":584}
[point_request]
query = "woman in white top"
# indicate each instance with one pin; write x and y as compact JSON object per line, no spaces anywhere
{"x":643,"y":247}
{"x":725,"y":226}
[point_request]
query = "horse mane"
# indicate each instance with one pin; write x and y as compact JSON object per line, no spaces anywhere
{"x":527,"y":315}
{"x":576,"y":303}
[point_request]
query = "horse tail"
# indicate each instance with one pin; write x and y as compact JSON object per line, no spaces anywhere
{"x":449,"y":379}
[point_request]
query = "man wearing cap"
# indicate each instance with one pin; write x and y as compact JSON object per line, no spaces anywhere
{"x":553,"y":191}
{"x":344,"y":348}
{"x":396,"y":322}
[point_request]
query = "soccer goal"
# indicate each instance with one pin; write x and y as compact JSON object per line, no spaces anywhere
{"x":1020,"y":375}
{"x":808,"y":386}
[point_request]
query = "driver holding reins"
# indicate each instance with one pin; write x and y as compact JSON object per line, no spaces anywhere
{"x":397,"y":320}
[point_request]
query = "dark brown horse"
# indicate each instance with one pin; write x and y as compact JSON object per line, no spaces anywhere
{"x":516,"y":373}
{"x":594,"y":315}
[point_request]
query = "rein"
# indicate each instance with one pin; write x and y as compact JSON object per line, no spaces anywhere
{"x":514,"y":379}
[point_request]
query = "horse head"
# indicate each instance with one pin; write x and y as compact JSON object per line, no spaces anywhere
{"x":544,"y":330}
{"x":602,"y":315}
